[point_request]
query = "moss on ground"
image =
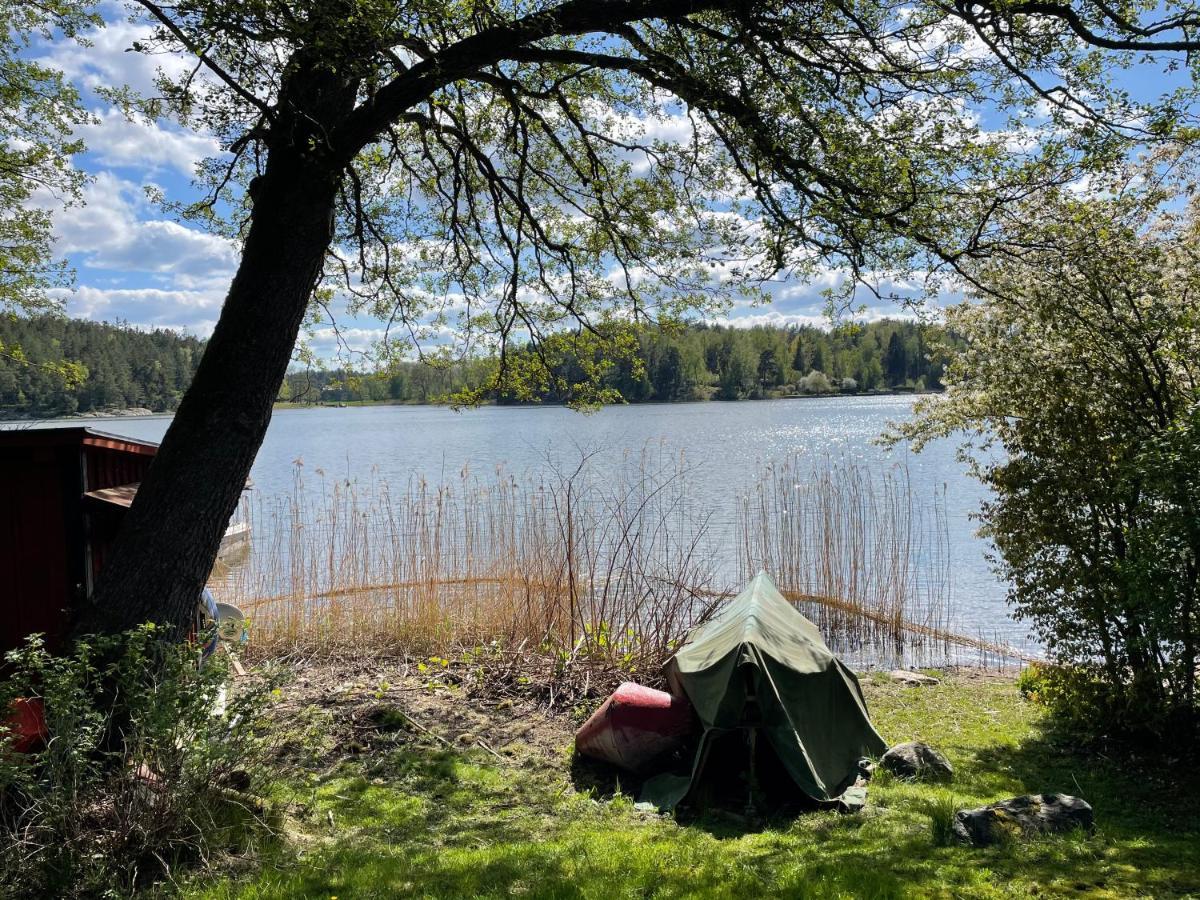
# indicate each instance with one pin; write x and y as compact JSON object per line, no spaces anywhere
{"x":414,"y":815}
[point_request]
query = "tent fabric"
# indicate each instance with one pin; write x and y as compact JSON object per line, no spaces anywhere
{"x":809,"y":703}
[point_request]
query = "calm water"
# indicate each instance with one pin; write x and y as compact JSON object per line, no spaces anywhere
{"x":725,"y":446}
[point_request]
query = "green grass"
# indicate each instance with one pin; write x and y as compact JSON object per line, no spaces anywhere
{"x":423,"y":820}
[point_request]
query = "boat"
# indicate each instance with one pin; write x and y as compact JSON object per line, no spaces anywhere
{"x":636,"y":726}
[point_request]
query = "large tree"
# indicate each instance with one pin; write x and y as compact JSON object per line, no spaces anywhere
{"x":493,"y":167}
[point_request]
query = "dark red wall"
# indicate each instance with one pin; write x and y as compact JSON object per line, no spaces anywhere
{"x":48,"y":531}
{"x":40,"y":542}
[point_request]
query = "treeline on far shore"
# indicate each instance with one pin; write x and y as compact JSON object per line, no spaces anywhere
{"x":699,"y":362}
{"x":127,"y":368}
{"x":122,"y":367}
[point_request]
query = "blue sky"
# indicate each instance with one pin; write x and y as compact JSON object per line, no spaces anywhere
{"x":135,"y":263}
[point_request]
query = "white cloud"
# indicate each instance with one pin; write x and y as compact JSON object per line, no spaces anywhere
{"x":777,"y":319}
{"x":116,"y":142}
{"x":113,"y":230}
{"x":109,"y":61}
{"x":192,"y":311}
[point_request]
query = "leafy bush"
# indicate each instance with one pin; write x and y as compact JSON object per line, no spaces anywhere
{"x":1081,"y":365}
{"x":815,"y":382}
{"x":1086,"y":706}
{"x":141,"y":771}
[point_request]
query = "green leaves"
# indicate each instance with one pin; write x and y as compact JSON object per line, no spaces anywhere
{"x":39,"y":111}
{"x":1082,"y":364}
{"x":515,"y":171}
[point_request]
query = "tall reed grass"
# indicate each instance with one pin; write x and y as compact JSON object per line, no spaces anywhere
{"x":861,"y":555}
{"x":593,"y":565}
{"x":565,"y":563}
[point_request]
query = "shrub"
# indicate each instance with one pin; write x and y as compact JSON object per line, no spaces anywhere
{"x":1082,"y":365}
{"x":1087,"y":706}
{"x":815,"y":382}
{"x":141,"y":771}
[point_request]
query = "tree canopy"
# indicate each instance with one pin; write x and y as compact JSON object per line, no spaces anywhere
{"x":117,"y":367}
{"x":510,"y":169}
{"x":38,"y":113}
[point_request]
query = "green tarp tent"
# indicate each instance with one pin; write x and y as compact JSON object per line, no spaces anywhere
{"x":770,"y":695}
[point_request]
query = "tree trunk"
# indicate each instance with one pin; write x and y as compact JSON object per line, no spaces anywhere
{"x":169,"y":541}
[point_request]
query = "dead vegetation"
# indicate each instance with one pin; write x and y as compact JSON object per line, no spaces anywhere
{"x":571,"y":580}
{"x":365,"y":703}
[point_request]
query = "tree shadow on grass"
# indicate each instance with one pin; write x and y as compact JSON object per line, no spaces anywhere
{"x":442,"y":822}
{"x":1147,"y":807}
{"x":603,"y":781}
{"x":642,"y":862}
{"x":723,"y":817}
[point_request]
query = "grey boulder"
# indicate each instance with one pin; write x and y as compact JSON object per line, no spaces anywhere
{"x":917,"y":761}
{"x":1022,"y":817}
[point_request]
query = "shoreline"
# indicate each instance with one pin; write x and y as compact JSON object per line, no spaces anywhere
{"x":347,"y":404}
{"x":12,"y":417}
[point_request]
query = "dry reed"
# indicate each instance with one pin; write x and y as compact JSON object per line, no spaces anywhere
{"x":589,"y":569}
{"x":566,"y":564}
{"x":862,"y":558}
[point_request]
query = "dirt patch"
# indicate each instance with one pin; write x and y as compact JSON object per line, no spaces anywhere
{"x":366,"y":702}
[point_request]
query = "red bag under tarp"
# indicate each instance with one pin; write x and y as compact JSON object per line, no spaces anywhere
{"x":26,"y":724}
{"x":634,"y":726}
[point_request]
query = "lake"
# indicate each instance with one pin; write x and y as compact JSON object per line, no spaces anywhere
{"x":725,"y":448}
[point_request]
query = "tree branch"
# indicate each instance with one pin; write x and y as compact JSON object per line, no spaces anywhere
{"x":492,"y":45}
{"x":180,"y":35}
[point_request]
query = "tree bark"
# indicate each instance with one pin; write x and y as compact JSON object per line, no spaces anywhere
{"x":169,"y":541}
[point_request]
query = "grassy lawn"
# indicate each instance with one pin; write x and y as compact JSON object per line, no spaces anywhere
{"x":408,"y":814}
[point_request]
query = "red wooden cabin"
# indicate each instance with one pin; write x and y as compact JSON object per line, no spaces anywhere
{"x":63,"y":492}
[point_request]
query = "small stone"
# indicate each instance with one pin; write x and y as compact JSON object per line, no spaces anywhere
{"x":1024,"y":816}
{"x":917,"y":761}
{"x":903,"y":676}
{"x":853,"y":799}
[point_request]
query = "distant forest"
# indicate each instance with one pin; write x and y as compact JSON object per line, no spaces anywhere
{"x":701,"y":362}
{"x":128,"y":367}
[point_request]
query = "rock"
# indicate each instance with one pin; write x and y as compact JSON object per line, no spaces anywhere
{"x":853,"y":799}
{"x":1022,"y":817}
{"x":903,"y":676}
{"x":917,"y":761}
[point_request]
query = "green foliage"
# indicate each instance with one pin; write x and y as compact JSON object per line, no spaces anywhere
{"x":508,"y":178}
{"x":141,"y":772}
{"x":68,"y":366}
{"x":692,"y":362}
{"x":39,"y":110}
{"x":60,"y":366}
{"x":1086,"y":704}
{"x":1083,"y":367}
